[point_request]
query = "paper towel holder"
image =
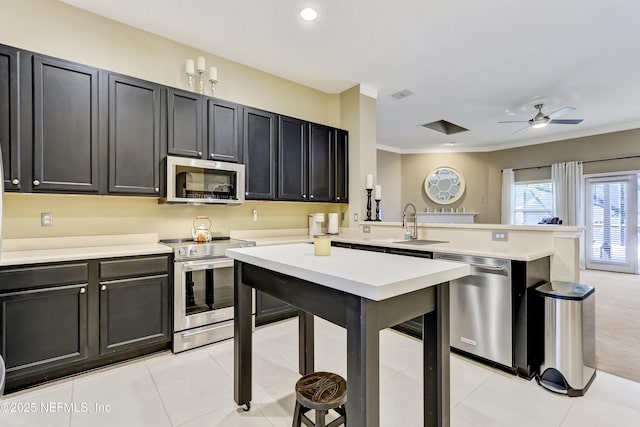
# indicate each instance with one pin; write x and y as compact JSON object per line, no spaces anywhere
{"x":332,"y":225}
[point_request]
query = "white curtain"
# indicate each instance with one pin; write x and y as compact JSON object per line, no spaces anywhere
{"x":568,"y":188}
{"x":508,"y":196}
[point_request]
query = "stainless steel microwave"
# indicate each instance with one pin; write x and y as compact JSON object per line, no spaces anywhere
{"x":198,"y":181}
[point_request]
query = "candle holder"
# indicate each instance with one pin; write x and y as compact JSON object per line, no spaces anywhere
{"x":369,"y":190}
{"x":213,"y":86}
{"x":378,"y":210}
{"x":201,"y":73}
{"x":190,"y":81}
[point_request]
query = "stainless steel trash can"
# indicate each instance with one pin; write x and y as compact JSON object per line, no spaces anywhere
{"x":569,"y":338}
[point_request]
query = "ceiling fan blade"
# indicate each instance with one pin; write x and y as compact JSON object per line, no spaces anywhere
{"x":527,"y":126}
{"x":566,"y":121}
{"x":515,"y":121}
{"x":561,"y":112}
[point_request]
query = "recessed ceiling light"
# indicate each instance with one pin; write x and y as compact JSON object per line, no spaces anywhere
{"x":309,"y":14}
{"x":451,"y":143}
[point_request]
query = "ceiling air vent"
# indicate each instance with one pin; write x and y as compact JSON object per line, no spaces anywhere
{"x":402,"y":94}
{"x":444,"y":127}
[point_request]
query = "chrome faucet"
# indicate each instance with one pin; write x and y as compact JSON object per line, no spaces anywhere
{"x":414,"y":234}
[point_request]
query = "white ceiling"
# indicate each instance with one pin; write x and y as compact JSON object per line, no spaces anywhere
{"x":473,"y":63}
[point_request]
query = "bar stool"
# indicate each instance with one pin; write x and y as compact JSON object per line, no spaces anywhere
{"x":320,"y":391}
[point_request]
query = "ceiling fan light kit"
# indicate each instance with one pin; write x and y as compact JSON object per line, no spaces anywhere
{"x":541,"y":120}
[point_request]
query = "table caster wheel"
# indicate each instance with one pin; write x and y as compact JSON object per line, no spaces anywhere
{"x":246,"y":407}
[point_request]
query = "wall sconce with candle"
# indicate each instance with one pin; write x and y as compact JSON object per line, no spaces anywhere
{"x":190,"y":67}
{"x":213,"y":79}
{"x":198,"y":66}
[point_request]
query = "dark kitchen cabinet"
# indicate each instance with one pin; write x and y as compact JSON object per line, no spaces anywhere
{"x":10,"y":117}
{"x":270,"y":309}
{"x":65,"y":318}
{"x":341,"y":168}
{"x":65,"y":126}
{"x":321,"y":168}
{"x":259,"y":140}
{"x":223,"y":131}
{"x":184,"y":123}
{"x":134,"y":301}
{"x":44,"y":312}
{"x":293,"y":151}
{"x":134,"y":136}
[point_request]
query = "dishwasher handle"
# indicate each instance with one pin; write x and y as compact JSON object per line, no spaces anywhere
{"x":495,"y":269}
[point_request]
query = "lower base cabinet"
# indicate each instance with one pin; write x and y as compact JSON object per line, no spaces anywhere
{"x":270,"y":309}
{"x":61,"y":319}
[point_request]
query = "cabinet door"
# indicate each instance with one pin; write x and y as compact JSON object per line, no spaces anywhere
{"x":341,"y":162}
{"x":293,"y":145}
{"x":9,"y":117}
{"x":65,"y":126}
{"x":271,"y":309}
{"x":43,"y":328}
{"x":134,"y":136}
{"x":320,"y":164}
{"x":134,"y":313}
{"x":260,"y":154}
{"x":184,"y":123}
{"x":224,"y":142}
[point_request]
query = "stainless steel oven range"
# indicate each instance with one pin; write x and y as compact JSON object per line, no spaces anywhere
{"x":203,"y":291}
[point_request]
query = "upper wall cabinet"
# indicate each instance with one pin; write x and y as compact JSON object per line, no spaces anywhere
{"x":259,"y":138}
{"x":293,"y":151}
{"x":134,"y":136}
{"x":341,"y":161}
{"x":223,"y":131}
{"x":321,"y":165}
{"x":9,"y":117}
{"x":184,"y":123}
{"x":65,"y":126}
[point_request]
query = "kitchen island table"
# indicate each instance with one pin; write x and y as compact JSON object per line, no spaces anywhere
{"x":363,"y":292}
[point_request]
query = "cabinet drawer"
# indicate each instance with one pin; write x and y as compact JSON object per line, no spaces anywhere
{"x":40,"y":276}
{"x":133,"y":267}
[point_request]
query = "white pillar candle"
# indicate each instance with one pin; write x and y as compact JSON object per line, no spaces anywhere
{"x":369,"y":182}
{"x":213,"y":73}
{"x":189,"y":66}
{"x":200,"y":63}
{"x":378,"y":192}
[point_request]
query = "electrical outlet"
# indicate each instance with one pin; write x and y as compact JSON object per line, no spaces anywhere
{"x":46,"y":219}
{"x":355,"y":217}
{"x":366,"y":229}
{"x":500,"y":236}
{"x":254,"y":216}
{"x":341,"y":216}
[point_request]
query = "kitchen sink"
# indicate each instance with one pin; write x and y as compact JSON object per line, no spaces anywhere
{"x":420,"y":242}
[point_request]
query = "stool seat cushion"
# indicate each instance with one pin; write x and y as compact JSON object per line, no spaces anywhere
{"x":321,"y":390}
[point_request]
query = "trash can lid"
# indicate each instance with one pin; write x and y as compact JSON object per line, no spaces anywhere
{"x":565,"y":290}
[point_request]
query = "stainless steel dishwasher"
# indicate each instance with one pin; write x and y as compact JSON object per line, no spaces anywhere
{"x":480,"y":314}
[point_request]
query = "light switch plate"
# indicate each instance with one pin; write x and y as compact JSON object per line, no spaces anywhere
{"x":500,"y":236}
{"x":366,"y":229}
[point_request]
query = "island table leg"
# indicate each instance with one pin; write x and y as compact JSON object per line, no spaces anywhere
{"x":243,"y":339}
{"x":305,"y":343}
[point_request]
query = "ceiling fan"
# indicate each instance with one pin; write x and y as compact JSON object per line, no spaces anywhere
{"x":541,"y":119}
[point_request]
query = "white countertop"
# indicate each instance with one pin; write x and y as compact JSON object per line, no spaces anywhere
{"x":372,"y":275}
{"x":57,"y":249}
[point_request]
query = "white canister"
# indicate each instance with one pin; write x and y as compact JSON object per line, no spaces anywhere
{"x":332,"y":226}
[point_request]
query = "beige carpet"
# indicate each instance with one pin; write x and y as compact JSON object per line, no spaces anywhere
{"x":617,"y":321}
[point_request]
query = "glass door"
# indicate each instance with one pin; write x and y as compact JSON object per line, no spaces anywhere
{"x":612,"y":222}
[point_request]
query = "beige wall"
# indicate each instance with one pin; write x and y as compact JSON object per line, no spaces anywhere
{"x":390,"y":178}
{"x":56,"y":29}
{"x":482,"y":171}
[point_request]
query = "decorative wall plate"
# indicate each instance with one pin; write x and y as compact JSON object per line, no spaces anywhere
{"x":444,"y":185}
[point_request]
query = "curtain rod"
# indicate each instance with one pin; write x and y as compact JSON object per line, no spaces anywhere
{"x":584,"y":161}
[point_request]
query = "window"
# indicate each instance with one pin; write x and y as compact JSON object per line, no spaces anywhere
{"x":534,"y":201}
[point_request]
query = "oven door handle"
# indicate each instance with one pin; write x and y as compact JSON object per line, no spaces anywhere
{"x":207,"y":264}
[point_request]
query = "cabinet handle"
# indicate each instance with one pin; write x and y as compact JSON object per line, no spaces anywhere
{"x":83,"y":290}
{"x":199,"y":153}
{"x":103,"y":287}
{"x":15,"y":181}
{"x":304,"y":196}
{"x":338,"y":198}
{"x":212,"y":155}
{"x":246,"y":193}
{"x":36,"y":182}
{"x":311,"y":196}
{"x":157,"y":190}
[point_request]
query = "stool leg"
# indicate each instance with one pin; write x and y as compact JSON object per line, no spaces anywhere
{"x":297,"y":420}
{"x":320,"y":422}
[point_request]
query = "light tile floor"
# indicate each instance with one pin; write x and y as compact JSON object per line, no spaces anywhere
{"x":195,"y":388}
